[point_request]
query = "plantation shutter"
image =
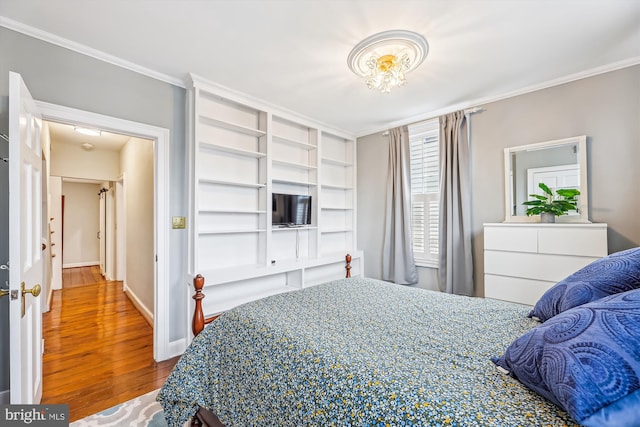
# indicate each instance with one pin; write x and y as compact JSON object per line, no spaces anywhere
{"x":425,"y":190}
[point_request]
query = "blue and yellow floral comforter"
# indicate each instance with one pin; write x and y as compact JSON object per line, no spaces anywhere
{"x":358,"y":352}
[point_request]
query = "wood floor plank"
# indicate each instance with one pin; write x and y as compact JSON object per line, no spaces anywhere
{"x":98,"y":347}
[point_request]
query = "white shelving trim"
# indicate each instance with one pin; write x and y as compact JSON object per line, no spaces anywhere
{"x":232,"y":150}
{"x":234,"y":211}
{"x":275,"y":228}
{"x":336,"y":230}
{"x":336,"y":162}
{"x":232,"y":183}
{"x":293,"y":143}
{"x":337,"y":187}
{"x":231,"y":126}
{"x":335,"y":208}
{"x":294,"y":165}
{"x":293,"y":182}
{"x":232,"y":231}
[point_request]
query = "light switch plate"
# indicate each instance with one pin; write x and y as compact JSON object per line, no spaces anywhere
{"x":178,"y":222}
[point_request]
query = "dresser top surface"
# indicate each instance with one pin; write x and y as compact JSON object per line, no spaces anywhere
{"x":547,"y":225}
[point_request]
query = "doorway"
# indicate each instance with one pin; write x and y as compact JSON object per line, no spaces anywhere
{"x":163,"y":348}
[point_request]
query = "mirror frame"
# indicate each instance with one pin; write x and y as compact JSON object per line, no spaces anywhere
{"x":583,"y":217}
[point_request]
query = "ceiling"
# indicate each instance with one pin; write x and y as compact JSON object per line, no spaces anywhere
{"x":107,"y":141}
{"x":293,"y":54}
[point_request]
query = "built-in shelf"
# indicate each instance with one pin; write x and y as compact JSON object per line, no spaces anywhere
{"x":232,"y":183}
{"x":335,"y":208}
{"x":336,"y":162}
{"x":240,"y":154}
{"x":232,"y":231}
{"x":293,"y":182}
{"x":337,"y":187}
{"x":336,"y":230}
{"x":232,"y":150}
{"x":276,"y":228}
{"x":294,"y":165}
{"x":233,"y":211}
{"x":232,"y":126}
{"x":293,"y":143}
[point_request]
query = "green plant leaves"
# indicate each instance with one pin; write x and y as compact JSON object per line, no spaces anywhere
{"x":559,"y":204}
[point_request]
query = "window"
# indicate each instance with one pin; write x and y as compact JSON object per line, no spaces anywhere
{"x":424,"y":147}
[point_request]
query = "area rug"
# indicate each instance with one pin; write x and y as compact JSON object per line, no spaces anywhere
{"x":143,"y":411}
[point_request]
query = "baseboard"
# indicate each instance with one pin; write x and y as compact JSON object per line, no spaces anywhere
{"x":176,"y":348}
{"x":5,"y":397}
{"x":80,"y":264}
{"x":144,"y":311}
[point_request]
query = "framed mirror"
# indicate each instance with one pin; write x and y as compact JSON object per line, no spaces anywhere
{"x":561,"y":163}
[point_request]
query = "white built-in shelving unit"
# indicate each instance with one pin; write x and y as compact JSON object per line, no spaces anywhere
{"x":241,"y":151}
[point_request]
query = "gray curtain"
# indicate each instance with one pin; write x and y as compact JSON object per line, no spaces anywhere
{"x":456,"y":259}
{"x":398,"y":264}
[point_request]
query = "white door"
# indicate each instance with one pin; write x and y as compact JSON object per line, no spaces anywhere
{"x":25,"y":244}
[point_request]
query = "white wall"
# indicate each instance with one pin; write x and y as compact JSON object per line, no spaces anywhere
{"x":81,"y":224}
{"x":55,"y":205}
{"x":137,"y":167}
{"x":72,"y":161}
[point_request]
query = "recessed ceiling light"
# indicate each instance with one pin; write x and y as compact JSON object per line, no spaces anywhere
{"x":88,"y":131}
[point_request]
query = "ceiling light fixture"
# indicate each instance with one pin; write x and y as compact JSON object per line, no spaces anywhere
{"x":384,"y":58}
{"x":88,"y":131}
{"x":87,"y":146}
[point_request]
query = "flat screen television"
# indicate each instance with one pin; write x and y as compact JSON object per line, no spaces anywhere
{"x":290,"y":210}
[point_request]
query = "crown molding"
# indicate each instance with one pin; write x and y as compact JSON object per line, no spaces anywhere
{"x":88,"y":51}
{"x":630,"y":62}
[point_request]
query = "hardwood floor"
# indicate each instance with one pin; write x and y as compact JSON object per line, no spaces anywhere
{"x":98,"y":348}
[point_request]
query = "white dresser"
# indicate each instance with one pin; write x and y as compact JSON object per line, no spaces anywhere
{"x":523,"y":260}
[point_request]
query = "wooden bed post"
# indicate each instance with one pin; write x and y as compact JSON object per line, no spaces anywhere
{"x":198,"y":315}
{"x":348,"y":266}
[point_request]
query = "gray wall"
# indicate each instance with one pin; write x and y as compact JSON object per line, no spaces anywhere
{"x":606,"y":108}
{"x":373,"y":161}
{"x":60,"y":76}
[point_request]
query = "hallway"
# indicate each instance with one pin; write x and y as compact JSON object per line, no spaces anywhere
{"x":98,"y":348}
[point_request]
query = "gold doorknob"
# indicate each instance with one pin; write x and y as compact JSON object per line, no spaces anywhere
{"x":4,"y":292}
{"x":35,"y":291}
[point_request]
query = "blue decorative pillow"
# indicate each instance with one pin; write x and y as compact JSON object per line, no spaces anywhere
{"x":586,"y":360}
{"x":618,"y":272}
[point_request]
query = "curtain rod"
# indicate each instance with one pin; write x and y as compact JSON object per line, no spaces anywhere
{"x":473,"y":110}
{"x":466,"y":112}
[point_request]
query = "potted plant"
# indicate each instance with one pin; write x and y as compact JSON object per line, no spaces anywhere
{"x":550,"y":205}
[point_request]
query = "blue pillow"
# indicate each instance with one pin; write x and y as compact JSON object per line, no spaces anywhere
{"x":618,"y":272}
{"x":585,"y":360}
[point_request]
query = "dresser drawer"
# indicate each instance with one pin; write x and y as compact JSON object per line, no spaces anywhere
{"x":573,"y":241}
{"x":517,"y":239}
{"x":551,"y":268}
{"x":515,"y":289}
{"x":522,"y":261}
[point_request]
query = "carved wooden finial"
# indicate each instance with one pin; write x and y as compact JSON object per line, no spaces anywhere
{"x":198,"y":315}
{"x":348,"y":266}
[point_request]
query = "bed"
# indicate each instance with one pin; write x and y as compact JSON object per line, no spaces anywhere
{"x":362,"y":352}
